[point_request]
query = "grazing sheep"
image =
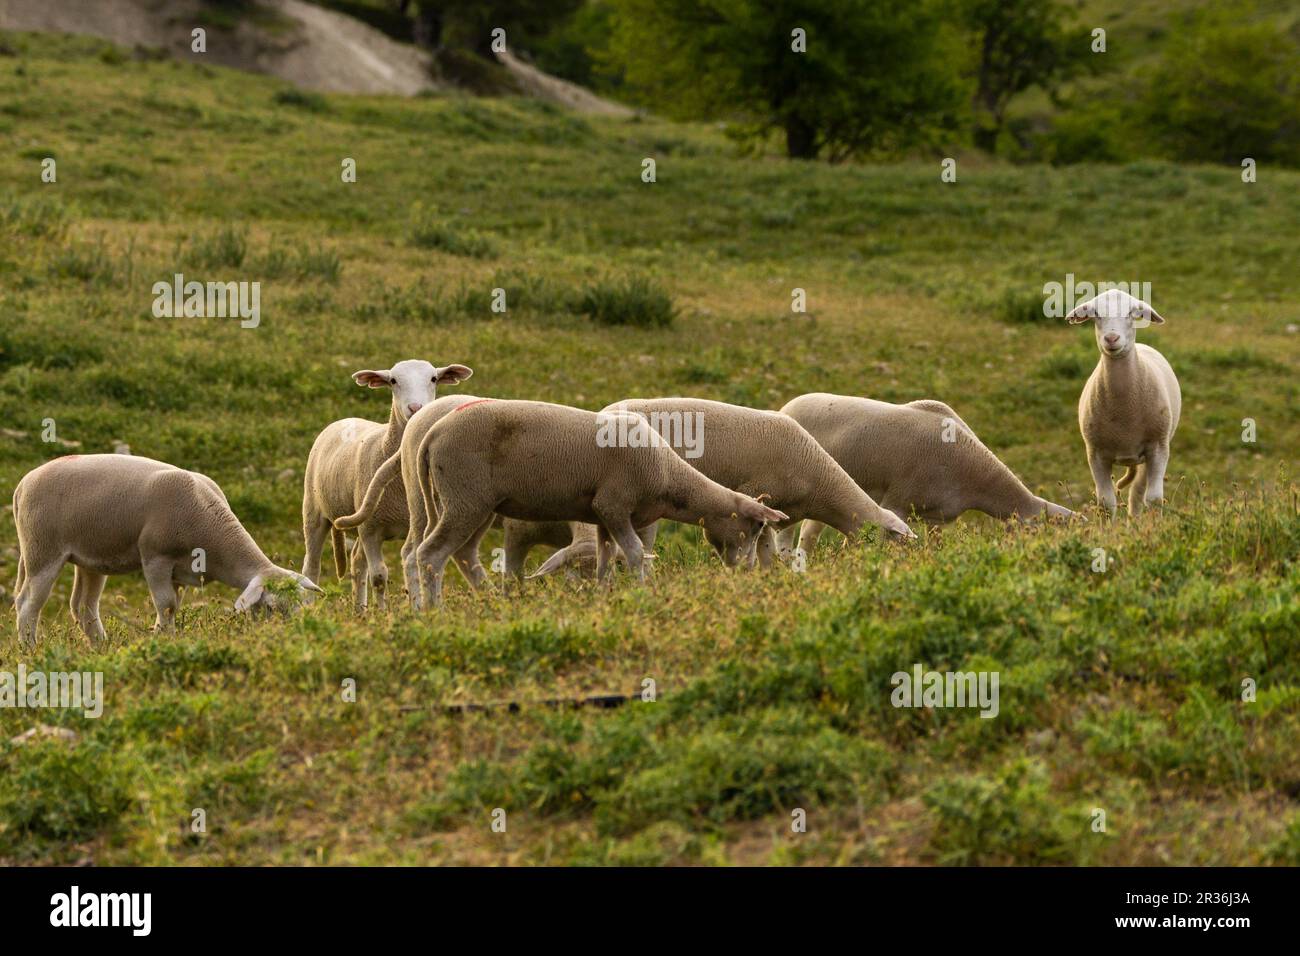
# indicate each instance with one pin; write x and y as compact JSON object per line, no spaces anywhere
{"x":540,"y":462}
{"x":422,"y":515}
{"x":520,"y":537}
{"x":764,"y":453}
{"x":1130,"y":406}
{"x":917,"y":457}
{"x":576,"y":545}
{"x":113,"y":514}
{"x":342,"y":461}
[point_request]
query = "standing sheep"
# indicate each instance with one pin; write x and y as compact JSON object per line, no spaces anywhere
{"x":405,"y":463}
{"x":541,"y":462}
{"x":916,"y":457}
{"x":1131,"y":404}
{"x":342,"y":461}
{"x":114,"y":514}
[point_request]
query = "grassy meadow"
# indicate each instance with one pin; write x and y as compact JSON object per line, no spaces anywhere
{"x":1120,"y":690}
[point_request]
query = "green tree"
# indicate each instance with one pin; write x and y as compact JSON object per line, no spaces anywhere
{"x":1018,"y":44}
{"x":1225,"y":88}
{"x":876,"y":74}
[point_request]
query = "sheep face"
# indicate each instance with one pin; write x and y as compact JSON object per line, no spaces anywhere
{"x":1116,"y":317}
{"x":279,"y":590}
{"x":414,"y":383}
{"x":734,"y":536}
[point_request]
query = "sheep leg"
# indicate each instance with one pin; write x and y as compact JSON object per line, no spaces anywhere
{"x":417,"y":527}
{"x":453,"y":531}
{"x":467,"y":559}
{"x":648,"y":534}
{"x":357,"y":570}
{"x":1137,"y":490}
{"x":809,"y":535}
{"x":410,"y":570}
{"x":516,"y":542}
{"x":603,"y":556}
{"x":37,"y":585}
{"x":158,"y":575}
{"x":627,"y":538}
{"x":1154,"y":473}
{"x":766,"y":547}
{"x":1101,"y":478}
{"x":315,"y":529}
{"x":87,"y":586}
{"x":376,"y":568}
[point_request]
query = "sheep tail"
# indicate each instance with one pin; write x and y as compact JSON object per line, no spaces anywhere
{"x":383,"y":476}
{"x":425,"y":482}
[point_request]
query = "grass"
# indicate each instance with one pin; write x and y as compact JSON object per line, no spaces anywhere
{"x":1121,"y":691}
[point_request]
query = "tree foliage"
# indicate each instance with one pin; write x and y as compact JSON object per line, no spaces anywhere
{"x":875,"y":75}
{"x":1225,"y":89}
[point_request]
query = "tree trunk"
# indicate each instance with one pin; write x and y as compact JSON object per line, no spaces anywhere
{"x":800,"y":139}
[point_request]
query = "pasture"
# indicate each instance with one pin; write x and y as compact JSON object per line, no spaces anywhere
{"x":1120,"y":690}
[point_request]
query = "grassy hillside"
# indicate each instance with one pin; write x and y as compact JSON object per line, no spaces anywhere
{"x":1120,"y":690}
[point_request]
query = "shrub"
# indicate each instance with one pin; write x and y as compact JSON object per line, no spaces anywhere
{"x":430,"y":232}
{"x":635,"y":300}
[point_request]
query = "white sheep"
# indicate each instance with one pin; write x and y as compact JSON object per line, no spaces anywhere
{"x":114,"y":514}
{"x":405,"y":464}
{"x":919,"y":457}
{"x":1131,"y":404}
{"x":343,"y":460}
{"x":766,"y":453}
{"x":540,"y":462}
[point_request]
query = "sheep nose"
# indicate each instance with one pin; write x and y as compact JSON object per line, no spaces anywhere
{"x":414,"y":407}
{"x":1111,"y":338}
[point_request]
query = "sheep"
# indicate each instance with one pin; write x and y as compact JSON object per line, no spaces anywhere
{"x":405,"y":463}
{"x":1130,"y":405}
{"x":343,"y":460}
{"x":920,"y":457}
{"x":769,"y":454}
{"x":574,"y":541}
{"x":114,"y":514}
{"x":540,"y":462}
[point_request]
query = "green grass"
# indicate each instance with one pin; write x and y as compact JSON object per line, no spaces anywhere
{"x":1120,"y":691}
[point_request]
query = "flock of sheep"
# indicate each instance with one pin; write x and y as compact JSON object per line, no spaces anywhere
{"x":442,"y":471}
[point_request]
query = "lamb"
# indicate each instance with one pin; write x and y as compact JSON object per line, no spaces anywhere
{"x":769,"y":454}
{"x":540,"y":462}
{"x":114,"y":514}
{"x":1130,"y":406}
{"x":405,"y":462}
{"x":920,"y":457}
{"x":343,"y":460}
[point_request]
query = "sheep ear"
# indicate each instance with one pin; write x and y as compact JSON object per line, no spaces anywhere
{"x":1082,"y":313}
{"x":307,"y":584}
{"x":251,"y":594}
{"x":372,"y":378}
{"x":1145,"y":311}
{"x":451,"y":374}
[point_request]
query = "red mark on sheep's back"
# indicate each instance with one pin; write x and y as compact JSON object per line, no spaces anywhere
{"x":477,"y":401}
